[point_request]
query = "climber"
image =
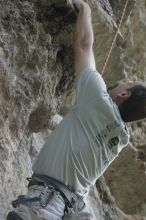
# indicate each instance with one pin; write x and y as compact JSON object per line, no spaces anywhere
{"x":86,"y":141}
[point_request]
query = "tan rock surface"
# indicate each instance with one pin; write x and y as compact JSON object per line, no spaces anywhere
{"x":37,"y":74}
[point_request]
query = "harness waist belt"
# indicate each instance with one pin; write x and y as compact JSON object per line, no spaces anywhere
{"x":72,"y":200}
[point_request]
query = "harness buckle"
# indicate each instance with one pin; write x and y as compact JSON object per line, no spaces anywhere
{"x":70,"y":207}
{"x":46,"y":195}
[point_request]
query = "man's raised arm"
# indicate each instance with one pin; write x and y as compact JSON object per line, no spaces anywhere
{"x":83,"y":38}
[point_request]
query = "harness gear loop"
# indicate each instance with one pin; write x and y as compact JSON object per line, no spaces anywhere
{"x":115,"y":37}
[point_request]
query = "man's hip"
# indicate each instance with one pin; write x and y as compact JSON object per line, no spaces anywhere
{"x":31,"y":209}
{"x":47,"y":199}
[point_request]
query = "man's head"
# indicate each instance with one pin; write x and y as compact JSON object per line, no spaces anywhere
{"x":131,"y":100}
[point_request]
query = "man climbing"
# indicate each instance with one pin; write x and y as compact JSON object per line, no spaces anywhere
{"x":86,"y":141}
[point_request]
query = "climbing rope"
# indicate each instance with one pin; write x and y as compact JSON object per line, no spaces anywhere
{"x":115,"y":37}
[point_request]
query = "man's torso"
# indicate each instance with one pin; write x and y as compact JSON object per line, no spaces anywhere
{"x":87,"y":140}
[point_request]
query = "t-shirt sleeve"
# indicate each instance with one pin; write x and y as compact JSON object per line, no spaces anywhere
{"x":90,"y":86}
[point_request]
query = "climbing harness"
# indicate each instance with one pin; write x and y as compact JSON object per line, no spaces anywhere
{"x":115,"y":37}
{"x":73,"y":202}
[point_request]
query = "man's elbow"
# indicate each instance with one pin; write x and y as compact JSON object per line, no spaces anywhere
{"x":83,"y":44}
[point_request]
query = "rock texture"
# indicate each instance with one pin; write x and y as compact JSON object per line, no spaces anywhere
{"x":127,"y":183}
{"x":36,"y":82}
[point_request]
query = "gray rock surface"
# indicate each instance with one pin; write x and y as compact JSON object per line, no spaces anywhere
{"x":36,"y":82}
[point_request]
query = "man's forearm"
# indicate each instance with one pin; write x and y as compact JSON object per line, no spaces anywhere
{"x":83,"y":33}
{"x":83,"y":38}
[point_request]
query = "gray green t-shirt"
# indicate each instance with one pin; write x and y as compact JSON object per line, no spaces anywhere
{"x":87,"y":140}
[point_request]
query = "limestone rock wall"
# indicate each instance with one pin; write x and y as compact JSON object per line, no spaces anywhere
{"x":37,"y":75}
{"x":34,"y":75}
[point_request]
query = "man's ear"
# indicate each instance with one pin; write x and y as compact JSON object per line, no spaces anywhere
{"x":123,"y":96}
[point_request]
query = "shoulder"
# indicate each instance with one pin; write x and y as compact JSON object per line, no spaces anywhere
{"x":91,"y":78}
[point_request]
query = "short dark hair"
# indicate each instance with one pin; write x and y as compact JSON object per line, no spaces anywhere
{"x":134,"y":108}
